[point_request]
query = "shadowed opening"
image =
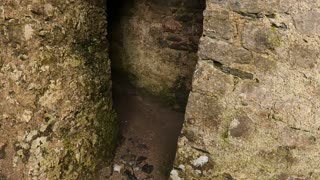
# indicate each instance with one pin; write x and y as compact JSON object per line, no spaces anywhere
{"x":152,"y":47}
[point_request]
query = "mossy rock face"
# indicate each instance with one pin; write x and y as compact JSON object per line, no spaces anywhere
{"x":250,"y":115}
{"x":56,"y":114}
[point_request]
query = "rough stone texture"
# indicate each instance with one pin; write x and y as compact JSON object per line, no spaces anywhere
{"x":56,"y":117}
{"x":155,"y":43}
{"x":254,"y":109}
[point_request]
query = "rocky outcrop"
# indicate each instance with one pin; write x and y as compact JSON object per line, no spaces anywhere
{"x":253,"y":112}
{"x":154,"y":44}
{"x":56,"y":117}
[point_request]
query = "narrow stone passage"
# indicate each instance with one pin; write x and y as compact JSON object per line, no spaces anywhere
{"x":152,"y":47}
{"x":150,"y":130}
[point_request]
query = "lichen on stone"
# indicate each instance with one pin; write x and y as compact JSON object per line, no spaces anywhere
{"x":55,"y":81}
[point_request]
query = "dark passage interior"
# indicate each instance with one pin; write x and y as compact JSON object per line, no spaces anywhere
{"x":152,"y":47}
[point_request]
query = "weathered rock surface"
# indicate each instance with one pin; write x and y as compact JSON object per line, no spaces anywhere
{"x":254,"y":106}
{"x":154,"y":43}
{"x":56,"y":117}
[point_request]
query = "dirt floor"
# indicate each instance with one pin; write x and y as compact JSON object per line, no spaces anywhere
{"x":150,"y":130}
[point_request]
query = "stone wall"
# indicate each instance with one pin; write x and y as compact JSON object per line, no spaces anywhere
{"x":56,"y":117}
{"x":253,"y":112}
{"x":154,"y":43}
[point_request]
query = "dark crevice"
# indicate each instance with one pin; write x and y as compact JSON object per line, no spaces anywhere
{"x":151,"y":121}
{"x":201,"y":150}
{"x":233,"y":71}
{"x":256,"y":15}
{"x":250,"y":15}
{"x":299,"y":129}
{"x":282,"y":26}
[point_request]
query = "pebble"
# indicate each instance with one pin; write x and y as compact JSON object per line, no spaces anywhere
{"x":130,"y":175}
{"x":147,"y":168}
{"x":174,"y":175}
{"x":200,"y":161}
{"x":182,"y":167}
{"x":117,"y":168}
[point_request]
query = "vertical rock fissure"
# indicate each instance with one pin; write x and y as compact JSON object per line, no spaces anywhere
{"x":153,"y":50}
{"x":154,"y":45}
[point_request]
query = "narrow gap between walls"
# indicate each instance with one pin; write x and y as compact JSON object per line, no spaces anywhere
{"x":153,"y":50}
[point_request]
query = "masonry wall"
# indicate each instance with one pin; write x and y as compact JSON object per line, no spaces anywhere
{"x":154,"y":44}
{"x":56,"y":117}
{"x":253,"y":112}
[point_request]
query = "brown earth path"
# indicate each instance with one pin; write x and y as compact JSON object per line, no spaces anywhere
{"x":150,"y":130}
